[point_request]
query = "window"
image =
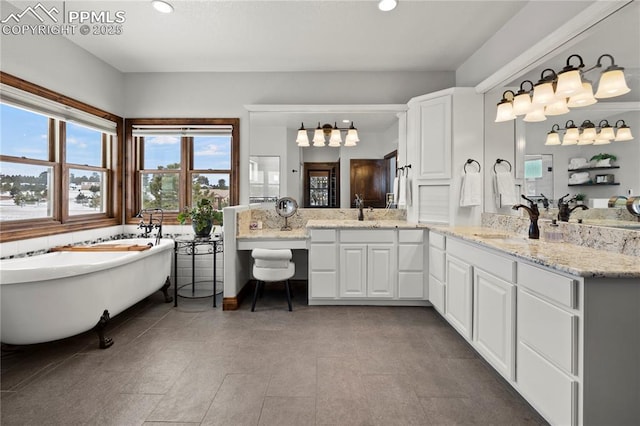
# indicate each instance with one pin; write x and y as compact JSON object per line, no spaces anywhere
{"x":264,"y":179}
{"x":174,"y":163}
{"x":58,"y":163}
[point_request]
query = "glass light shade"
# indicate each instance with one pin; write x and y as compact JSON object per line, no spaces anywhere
{"x":584,"y":97}
{"x":606,"y":133}
{"x":559,"y":107}
{"x":335,"y":139}
{"x":612,"y":83}
{"x":318,"y":137}
{"x":584,"y":141}
{"x":553,"y":138}
{"x":162,"y":6}
{"x":624,"y":134}
{"x":303,"y":138}
{"x":352,"y":138}
{"x":569,"y":83}
{"x":589,"y":133}
{"x":505,"y":112}
{"x":535,"y":115}
{"x":569,"y":141}
{"x":522,"y":104}
{"x":601,"y":141}
{"x":543,"y":94}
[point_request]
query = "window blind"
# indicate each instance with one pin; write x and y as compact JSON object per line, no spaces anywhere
{"x":180,"y":131}
{"x":33,"y":103}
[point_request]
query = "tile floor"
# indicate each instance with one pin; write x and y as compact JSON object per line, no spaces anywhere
{"x":195,"y":365}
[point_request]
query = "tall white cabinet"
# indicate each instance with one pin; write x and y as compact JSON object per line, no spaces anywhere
{"x":444,"y":129}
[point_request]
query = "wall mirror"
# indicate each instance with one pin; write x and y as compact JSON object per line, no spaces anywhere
{"x":273,"y":132}
{"x":619,"y":36}
{"x":264,"y":178}
{"x":538,"y":176}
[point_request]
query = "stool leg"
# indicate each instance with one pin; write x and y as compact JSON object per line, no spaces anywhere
{"x":255,"y":296}
{"x":286,"y":284}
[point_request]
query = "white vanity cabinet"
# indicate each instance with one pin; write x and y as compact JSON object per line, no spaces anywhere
{"x":368,"y":266}
{"x":569,"y":344}
{"x":437,"y":271}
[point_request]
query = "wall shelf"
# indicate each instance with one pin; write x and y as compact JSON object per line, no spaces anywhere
{"x":584,"y":169}
{"x":593,"y":184}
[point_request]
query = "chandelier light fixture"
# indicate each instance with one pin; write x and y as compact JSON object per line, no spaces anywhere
{"x":589,"y":134}
{"x":333,"y":133}
{"x":555,"y":92}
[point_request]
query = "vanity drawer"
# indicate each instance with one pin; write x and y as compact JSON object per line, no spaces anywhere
{"x":549,"y":330}
{"x":410,"y":235}
{"x":368,"y":236}
{"x":323,"y":235}
{"x":437,"y":240}
{"x":556,"y":287}
{"x":501,"y":267}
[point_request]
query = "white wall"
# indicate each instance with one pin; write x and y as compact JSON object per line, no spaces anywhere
{"x":57,"y":64}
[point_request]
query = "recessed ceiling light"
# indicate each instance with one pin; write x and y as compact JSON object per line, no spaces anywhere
{"x":387,"y":5}
{"x":346,"y":121}
{"x":162,"y":6}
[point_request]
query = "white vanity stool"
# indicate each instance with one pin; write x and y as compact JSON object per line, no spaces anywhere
{"x":272,"y":265}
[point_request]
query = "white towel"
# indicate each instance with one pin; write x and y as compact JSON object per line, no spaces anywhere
{"x":402,"y":192}
{"x":505,"y":189}
{"x":471,"y":189}
{"x":396,"y":190}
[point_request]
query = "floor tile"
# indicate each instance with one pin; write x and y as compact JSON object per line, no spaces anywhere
{"x":287,"y":411}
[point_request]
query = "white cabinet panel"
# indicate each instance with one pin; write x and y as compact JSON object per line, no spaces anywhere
{"x":411,"y":285}
{"x":411,"y":257}
{"x":353,"y":270}
{"x":549,"y":390}
{"x":410,"y":235}
{"x":434,"y":149}
{"x":494,"y":321}
{"x":459,"y":284}
{"x":381,"y":278}
{"x":323,"y":257}
{"x":556,"y":287}
{"x":323,"y":284}
{"x":437,"y":261}
{"x":551,"y":331}
{"x":437,"y":294}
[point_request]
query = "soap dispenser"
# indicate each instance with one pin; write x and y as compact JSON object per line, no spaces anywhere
{"x":553,"y":233}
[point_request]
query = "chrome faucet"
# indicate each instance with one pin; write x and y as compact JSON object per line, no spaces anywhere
{"x":564,"y":212}
{"x":534,"y":214}
{"x":359,"y":206}
{"x":154,"y":223}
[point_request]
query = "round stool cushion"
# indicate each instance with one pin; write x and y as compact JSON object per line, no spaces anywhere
{"x":274,"y":274}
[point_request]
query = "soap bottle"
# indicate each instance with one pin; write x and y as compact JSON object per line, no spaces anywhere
{"x":553,"y":232}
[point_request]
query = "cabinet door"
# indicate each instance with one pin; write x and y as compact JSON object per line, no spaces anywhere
{"x":323,"y":271}
{"x":459,"y":291}
{"x":434,"y":149}
{"x":381,"y":270}
{"x":494,"y":321}
{"x":411,"y":281}
{"x":353,"y":270}
{"x":437,"y":294}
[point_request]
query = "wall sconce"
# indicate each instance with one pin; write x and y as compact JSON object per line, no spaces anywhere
{"x":589,"y":134}
{"x":327,"y":131}
{"x":557,"y":92}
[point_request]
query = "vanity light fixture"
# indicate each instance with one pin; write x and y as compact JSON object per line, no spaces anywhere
{"x":332,"y":132}
{"x":557,"y":92}
{"x":162,"y":6}
{"x":589,"y":134}
{"x":387,"y":5}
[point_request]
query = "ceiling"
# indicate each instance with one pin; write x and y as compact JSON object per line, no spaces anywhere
{"x":303,"y":35}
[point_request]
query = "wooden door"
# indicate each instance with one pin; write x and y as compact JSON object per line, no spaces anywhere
{"x":321,"y":185}
{"x":368,"y":179}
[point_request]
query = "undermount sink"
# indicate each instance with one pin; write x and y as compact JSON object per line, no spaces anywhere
{"x":502,"y":237}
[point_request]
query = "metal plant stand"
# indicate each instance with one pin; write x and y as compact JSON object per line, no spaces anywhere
{"x":196,"y":246}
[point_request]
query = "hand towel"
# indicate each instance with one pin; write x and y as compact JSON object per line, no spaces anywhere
{"x":396,"y":190}
{"x":471,"y":189}
{"x":505,"y":189}
{"x":402,"y":192}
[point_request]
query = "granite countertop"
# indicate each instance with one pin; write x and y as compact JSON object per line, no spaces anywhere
{"x":561,"y":256}
{"x":365,"y":224}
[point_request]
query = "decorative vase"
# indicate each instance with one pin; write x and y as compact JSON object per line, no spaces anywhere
{"x":204,"y":232}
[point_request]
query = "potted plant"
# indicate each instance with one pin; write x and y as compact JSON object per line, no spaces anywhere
{"x":603,"y":160}
{"x":203,"y":216}
{"x":580,"y":198}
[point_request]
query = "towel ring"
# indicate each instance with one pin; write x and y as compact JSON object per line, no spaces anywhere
{"x":498,"y":161}
{"x":469,"y":161}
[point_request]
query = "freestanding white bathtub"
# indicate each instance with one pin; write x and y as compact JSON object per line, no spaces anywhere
{"x":61,"y":294}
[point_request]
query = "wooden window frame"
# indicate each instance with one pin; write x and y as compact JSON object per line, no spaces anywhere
{"x":135,"y":156}
{"x":61,"y":223}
